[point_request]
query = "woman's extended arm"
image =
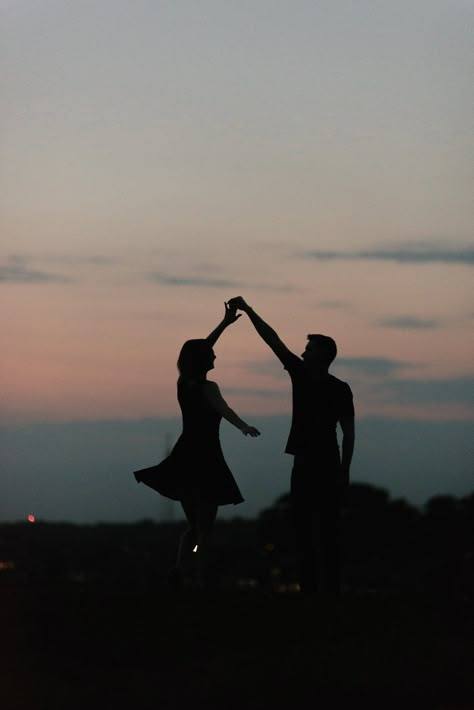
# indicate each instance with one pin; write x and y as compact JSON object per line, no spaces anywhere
{"x":218,"y":402}
{"x":230,"y":316}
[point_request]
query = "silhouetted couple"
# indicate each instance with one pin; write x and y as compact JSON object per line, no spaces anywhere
{"x":196,"y":473}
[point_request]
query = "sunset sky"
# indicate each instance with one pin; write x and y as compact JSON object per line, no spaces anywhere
{"x":161,"y":157}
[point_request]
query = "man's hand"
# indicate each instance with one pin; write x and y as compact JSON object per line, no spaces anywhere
{"x":238,"y":303}
{"x":230,"y":315}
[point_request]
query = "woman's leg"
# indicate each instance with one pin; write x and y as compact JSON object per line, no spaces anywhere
{"x":206,"y":517}
{"x":201,"y":516}
{"x":189,"y":537}
{"x":194,"y":541}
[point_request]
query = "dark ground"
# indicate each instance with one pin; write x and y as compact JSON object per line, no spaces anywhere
{"x":77,"y":647}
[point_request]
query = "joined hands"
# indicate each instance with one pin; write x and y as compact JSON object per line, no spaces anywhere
{"x":230,"y":315}
{"x":238,"y":303}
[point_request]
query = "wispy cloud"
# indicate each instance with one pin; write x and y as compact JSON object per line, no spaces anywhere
{"x":260,"y":392}
{"x":93,"y":260}
{"x":63,"y":258}
{"x":16,"y":270}
{"x":373,"y":366}
{"x":214,"y":282}
{"x":335,"y":305}
{"x":408,"y":323}
{"x":203,"y":282}
{"x":421,"y":253}
{"x":380,"y":375}
{"x":270,"y":367}
{"x":436,"y":392}
{"x":275,"y":288}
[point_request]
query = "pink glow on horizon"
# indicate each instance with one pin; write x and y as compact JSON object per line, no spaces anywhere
{"x":105,"y":351}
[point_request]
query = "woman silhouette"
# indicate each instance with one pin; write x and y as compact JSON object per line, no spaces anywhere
{"x":195,"y":472}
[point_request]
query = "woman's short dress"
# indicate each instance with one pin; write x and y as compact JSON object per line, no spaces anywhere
{"x":195,"y":468}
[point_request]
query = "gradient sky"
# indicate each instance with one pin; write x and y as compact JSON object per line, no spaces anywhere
{"x":160,"y":157}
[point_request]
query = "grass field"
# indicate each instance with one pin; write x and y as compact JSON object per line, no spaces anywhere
{"x":73,"y":647}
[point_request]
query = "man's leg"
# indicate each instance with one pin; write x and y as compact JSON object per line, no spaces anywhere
{"x":303,"y":515}
{"x":329,"y":536}
{"x":316,"y":504}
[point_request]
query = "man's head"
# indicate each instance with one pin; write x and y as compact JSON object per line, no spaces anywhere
{"x":320,"y":351}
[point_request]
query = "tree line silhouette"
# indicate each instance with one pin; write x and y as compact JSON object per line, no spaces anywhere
{"x":388,"y":544}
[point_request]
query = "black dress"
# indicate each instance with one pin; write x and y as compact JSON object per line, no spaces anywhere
{"x":195,"y":468}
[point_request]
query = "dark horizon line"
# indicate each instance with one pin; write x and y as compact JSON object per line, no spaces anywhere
{"x":235,"y":518}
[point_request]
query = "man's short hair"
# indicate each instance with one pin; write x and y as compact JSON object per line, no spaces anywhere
{"x":326,"y":344}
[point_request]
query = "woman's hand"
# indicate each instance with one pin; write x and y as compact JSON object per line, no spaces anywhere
{"x":238,"y":302}
{"x":230,"y":315}
{"x":250,"y":431}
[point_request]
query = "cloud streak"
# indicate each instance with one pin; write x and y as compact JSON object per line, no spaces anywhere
{"x":17,"y":271}
{"x":409,"y":323}
{"x":411,"y":254}
{"x":270,"y":367}
{"x":213,"y":282}
{"x":167,"y":280}
{"x":380,"y":375}
{"x":93,"y":260}
{"x":436,"y":392}
{"x":336,"y":305}
{"x":373,"y":366}
{"x":257,"y":392}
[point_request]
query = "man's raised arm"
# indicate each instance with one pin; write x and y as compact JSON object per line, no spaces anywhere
{"x":265,"y":331}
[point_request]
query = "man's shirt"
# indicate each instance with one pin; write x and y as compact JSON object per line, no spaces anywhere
{"x":318,"y":405}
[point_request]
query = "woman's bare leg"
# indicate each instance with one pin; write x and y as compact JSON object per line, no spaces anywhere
{"x":189,"y":537}
{"x":207,"y":513}
{"x":193,"y":544}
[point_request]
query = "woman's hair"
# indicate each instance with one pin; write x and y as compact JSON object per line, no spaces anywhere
{"x":195,"y":358}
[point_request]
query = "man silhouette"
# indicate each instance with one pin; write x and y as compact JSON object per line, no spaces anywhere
{"x":320,"y":473}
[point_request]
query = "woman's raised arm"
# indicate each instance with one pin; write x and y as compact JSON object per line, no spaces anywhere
{"x":230,"y":316}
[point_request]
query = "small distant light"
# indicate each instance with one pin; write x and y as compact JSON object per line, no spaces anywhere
{"x":195,"y":549}
{"x":9,"y":564}
{"x":31,"y":518}
{"x":294,"y":587}
{"x":269,"y":547}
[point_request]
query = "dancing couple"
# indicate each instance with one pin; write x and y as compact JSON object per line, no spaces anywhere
{"x":196,"y":473}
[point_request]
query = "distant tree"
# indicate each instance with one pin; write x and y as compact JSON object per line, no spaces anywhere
{"x":448,"y":543}
{"x":444,"y":525}
{"x":365,"y":520}
{"x":274,"y":525}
